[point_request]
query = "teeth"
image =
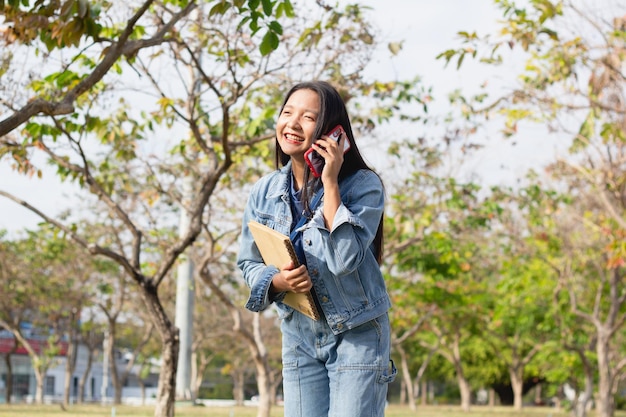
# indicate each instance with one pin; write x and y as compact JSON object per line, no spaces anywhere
{"x":294,"y":137}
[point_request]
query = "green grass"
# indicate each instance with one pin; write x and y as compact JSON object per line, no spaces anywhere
{"x":22,"y":410}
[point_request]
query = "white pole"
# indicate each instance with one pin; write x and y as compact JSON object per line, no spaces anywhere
{"x":184,"y":304}
{"x":185,"y":288}
{"x":105,"y":368}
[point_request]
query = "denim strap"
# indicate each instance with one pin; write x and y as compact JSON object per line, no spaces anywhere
{"x":316,"y":199}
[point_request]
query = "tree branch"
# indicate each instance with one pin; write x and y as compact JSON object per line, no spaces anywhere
{"x":121,"y":47}
{"x":96,"y":189}
{"x":93,"y":248}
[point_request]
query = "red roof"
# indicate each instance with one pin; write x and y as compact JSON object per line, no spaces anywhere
{"x":6,"y":346}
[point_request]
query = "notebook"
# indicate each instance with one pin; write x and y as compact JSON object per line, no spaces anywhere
{"x":276,"y":249}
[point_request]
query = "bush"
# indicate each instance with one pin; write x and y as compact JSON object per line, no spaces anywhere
{"x":219,"y":391}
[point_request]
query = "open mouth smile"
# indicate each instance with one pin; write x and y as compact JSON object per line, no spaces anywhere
{"x":290,"y":137}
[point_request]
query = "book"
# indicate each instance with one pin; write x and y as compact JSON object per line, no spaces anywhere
{"x":277,"y":249}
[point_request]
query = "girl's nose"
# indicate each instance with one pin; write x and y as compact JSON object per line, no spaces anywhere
{"x":293,"y":124}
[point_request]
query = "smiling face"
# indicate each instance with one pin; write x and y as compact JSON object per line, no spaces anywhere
{"x":295,"y":128}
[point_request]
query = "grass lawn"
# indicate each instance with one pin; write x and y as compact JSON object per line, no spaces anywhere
{"x":22,"y":410}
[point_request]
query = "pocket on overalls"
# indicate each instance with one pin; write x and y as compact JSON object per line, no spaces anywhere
{"x":389,"y":375}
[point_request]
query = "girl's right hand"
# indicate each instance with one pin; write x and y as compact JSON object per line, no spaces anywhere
{"x":292,"y":279}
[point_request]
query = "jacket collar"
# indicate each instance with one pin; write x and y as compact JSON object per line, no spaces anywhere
{"x":280,"y":183}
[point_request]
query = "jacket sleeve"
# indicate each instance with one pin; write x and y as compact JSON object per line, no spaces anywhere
{"x":256,"y":274}
{"x":355,"y":224}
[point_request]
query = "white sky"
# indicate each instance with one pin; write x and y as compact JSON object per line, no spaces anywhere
{"x":426,"y":28}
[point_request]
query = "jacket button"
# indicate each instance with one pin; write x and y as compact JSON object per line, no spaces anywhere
{"x":324,"y":299}
{"x":314,"y":271}
{"x":308,"y":242}
{"x":340,"y":326}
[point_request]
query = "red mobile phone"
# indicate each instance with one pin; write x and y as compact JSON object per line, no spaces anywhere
{"x":315,"y":161}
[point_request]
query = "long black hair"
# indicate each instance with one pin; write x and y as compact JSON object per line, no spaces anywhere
{"x":332,"y":112}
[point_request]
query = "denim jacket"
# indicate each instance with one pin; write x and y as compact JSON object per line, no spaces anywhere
{"x":341,"y":262}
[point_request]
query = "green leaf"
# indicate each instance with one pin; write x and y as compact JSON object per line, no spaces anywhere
{"x":268,"y":6}
{"x":269,"y":43}
{"x":276,"y":27}
{"x":460,"y":61}
{"x":285,"y":8}
{"x":220,"y":8}
{"x":254,"y":25}
{"x":447,"y":55}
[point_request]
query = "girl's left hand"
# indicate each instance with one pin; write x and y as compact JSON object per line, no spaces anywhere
{"x":333,"y":156}
{"x":332,"y":152}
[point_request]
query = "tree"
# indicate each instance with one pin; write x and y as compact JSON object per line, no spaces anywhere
{"x":44,"y":277}
{"x":402,"y":341}
{"x":204,"y":97}
{"x":573,"y":78}
{"x":436,"y":225}
{"x":210,"y":338}
{"x":520,"y":319}
{"x":561,"y":243}
{"x":79,"y":79}
{"x":71,"y":24}
{"x":250,"y":332}
{"x":92,"y":337}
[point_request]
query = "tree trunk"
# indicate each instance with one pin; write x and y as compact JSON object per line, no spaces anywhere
{"x":424,"y":392}
{"x":558,"y":398}
{"x":517,"y":385}
{"x":166,"y":391}
{"x":9,"y":380}
{"x":276,"y":380}
{"x":492,"y":397}
{"x":196,"y":381}
{"x":83,"y":378}
{"x":464,"y":386}
{"x":583,"y":400}
{"x":239,"y":377}
{"x":465,"y":390}
{"x":539,"y":394}
{"x":605,"y":400}
{"x":70,"y":366}
{"x":265,"y":395}
{"x":264,"y":372}
{"x":113,"y":372}
{"x":142,"y":385}
{"x":40,"y":363}
{"x":199,"y":364}
{"x":39,"y":377}
{"x":406,"y":377}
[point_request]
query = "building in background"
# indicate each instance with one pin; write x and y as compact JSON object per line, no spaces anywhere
{"x":24,"y":381}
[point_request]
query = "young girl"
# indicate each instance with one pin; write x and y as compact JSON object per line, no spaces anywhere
{"x":339,"y":365}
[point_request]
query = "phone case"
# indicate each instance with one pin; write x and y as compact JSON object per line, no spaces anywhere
{"x":315,"y":161}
